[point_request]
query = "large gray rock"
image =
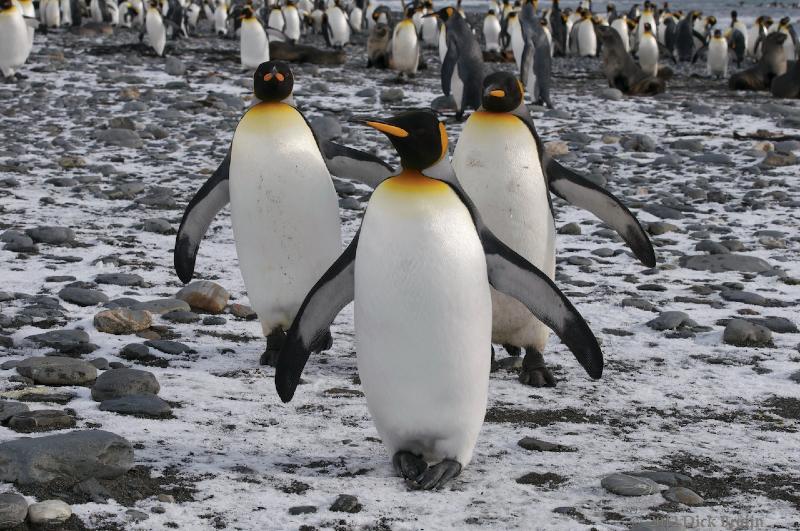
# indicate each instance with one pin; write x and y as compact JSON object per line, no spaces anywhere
{"x":121,"y":137}
{"x":162,"y":306}
{"x":83,"y":296}
{"x":41,"y":420}
{"x":120,"y":321}
{"x":626,"y":485}
{"x":72,"y":457}
{"x":52,"y":235}
{"x":658,"y":525}
{"x":13,"y":509}
{"x":57,"y":370}
{"x":671,"y":320}
{"x":683,"y":495}
{"x":49,"y":512}
{"x":174,"y":66}
{"x":719,"y":263}
{"x":205,"y":295}
{"x":117,"y":383}
{"x":743,"y":333}
{"x":120,"y":279}
{"x":139,"y":405}
{"x":64,"y":341}
{"x":9,"y":408}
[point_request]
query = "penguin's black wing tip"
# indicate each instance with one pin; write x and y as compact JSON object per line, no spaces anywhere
{"x":583,"y":193}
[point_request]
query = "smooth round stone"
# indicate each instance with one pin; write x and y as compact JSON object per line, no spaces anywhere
{"x":49,"y":512}
{"x":83,"y":297}
{"x":142,"y":405}
{"x":626,"y":485}
{"x":57,"y":370}
{"x":9,"y":408}
{"x":116,"y":383}
{"x":658,"y":525}
{"x":683,"y":495}
{"x":41,"y":420}
{"x":13,"y":509}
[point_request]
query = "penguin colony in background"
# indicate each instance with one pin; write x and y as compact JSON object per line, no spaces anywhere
{"x":447,"y":262}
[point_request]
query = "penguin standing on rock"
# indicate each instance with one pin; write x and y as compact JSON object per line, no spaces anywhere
{"x":284,"y":208}
{"x":420,"y":270}
{"x":462,"y":68}
{"x":499,"y":150}
{"x":536,"y":61}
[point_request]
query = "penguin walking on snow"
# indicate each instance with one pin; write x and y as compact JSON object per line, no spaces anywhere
{"x":221,"y":18}
{"x":419,"y":271}
{"x":499,"y":150}
{"x":253,"y":40}
{"x":284,"y":208}
{"x":14,"y":47}
{"x":462,"y":68}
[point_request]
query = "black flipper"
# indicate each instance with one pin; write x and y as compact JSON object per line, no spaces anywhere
{"x":449,"y":66}
{"x":697,"y":53}
{"x":350,"y":163}
{"x":666,"y":51}
{"x":332,"y":292}
{"x":513,"y":275}
{"x":210,"y":199}
{"x":585,"y":194}
{"x":526,"y":65}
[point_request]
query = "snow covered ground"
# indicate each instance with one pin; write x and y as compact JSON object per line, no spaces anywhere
{"x":680,"y":401}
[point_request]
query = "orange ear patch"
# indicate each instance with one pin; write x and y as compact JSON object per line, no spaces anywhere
{"x":268,"y":76}
{"x":279,"y":76}
{"x":443,"y":135}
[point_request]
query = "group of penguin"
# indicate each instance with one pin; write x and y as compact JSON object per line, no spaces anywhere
{"x":451,"y":257}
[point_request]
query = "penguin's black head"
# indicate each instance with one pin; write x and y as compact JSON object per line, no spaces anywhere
{"x":247,"y":12}
{"x":6,"y":4}
{"x":418,"y":136}
{"x":734,"y":15}
{"x":444,"y":14}
{"x":502,"y":92}
{"x":717,"y":34}
{"x":273,"y":81}
{"x":410,"y":12}
{"x":491,"y":12}
{"x":784,"y":22}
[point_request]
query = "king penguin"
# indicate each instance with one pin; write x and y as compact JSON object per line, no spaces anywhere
{"x":491,"y":32}
{"x":500,"y":162}
{"x":405,"y":46}
{"x":648,"y":51}
{"x":13,"y":38}
{"x":462,"y":67}
{"x":284,"y":208}
{"x":717,"y":59}
{"x":335,"y":26}
{"x":155,"y":29}
{"x":420,"y":270}
{"x":253,"y":40}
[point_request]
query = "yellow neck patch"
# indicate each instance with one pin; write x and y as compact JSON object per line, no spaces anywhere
{"x":413,"y":182}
